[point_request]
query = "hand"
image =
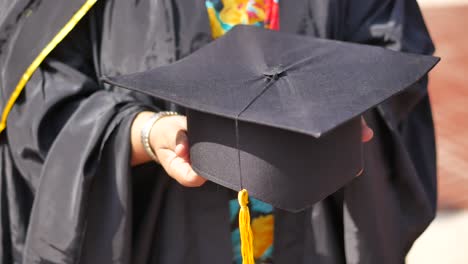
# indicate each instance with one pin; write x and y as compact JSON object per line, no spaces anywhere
{"x":367,"y":133}
{"x":169,"y":141}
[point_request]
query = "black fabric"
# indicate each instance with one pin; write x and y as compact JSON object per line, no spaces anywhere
{"x":70,"y":132}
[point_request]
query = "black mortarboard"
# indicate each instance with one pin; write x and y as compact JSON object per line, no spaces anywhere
{"x":279,"y":114}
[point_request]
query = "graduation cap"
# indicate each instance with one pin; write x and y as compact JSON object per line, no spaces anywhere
{"x":279,"y":114}
{"x":276,"y":113}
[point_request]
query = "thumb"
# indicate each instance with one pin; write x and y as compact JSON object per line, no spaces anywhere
{"x":182,"y":145}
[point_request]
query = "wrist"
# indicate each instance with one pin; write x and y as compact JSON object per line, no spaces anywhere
{"x":149,"y":133}
{"x":139,"y":155}
{"x":146,"y":135}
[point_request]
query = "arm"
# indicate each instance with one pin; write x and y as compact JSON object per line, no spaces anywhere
{"x":70,"y":143}
{"x":406,"y":194}
{"x":399,"y":25}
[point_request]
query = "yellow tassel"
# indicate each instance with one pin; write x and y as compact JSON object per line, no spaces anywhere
{"x":245,"y":230}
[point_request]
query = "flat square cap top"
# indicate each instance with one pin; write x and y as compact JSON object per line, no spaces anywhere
{"x":298,"y":83}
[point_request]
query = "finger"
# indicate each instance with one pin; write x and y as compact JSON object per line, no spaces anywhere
{"x":360,"y":172}
{"x":180,"y":170}
{"x":181,"y":121}
{"x":165,"y":132}
{"x":367,"y":132}
{"x":185,"y":175}
{"x":182,"y":145}
{"x":191,"y":178}
{"x":179,"y":134}
{"x":182,"y":151}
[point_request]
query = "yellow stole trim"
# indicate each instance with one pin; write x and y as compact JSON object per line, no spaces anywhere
{"x":40,"y":58}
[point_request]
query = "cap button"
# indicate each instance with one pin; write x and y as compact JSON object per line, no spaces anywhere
{"x":274,"y":72}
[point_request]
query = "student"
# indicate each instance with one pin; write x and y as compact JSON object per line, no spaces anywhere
{"x":77,"y":186}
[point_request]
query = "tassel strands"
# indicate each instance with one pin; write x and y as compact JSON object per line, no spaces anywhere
{"x":245,"y":229}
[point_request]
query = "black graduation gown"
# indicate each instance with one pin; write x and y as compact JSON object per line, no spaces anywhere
{"x":69,"y":195}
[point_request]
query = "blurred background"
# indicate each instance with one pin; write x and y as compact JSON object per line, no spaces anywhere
{"x":446,"y":240}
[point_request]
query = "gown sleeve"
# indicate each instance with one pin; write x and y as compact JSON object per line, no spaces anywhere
{"x":399,"y":25}
{"x":69,"y":140}
{"x":392,"y":203}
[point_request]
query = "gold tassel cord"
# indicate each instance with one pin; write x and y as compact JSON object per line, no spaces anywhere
{"x":245,"y":229}
{"x":42,"y":55}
